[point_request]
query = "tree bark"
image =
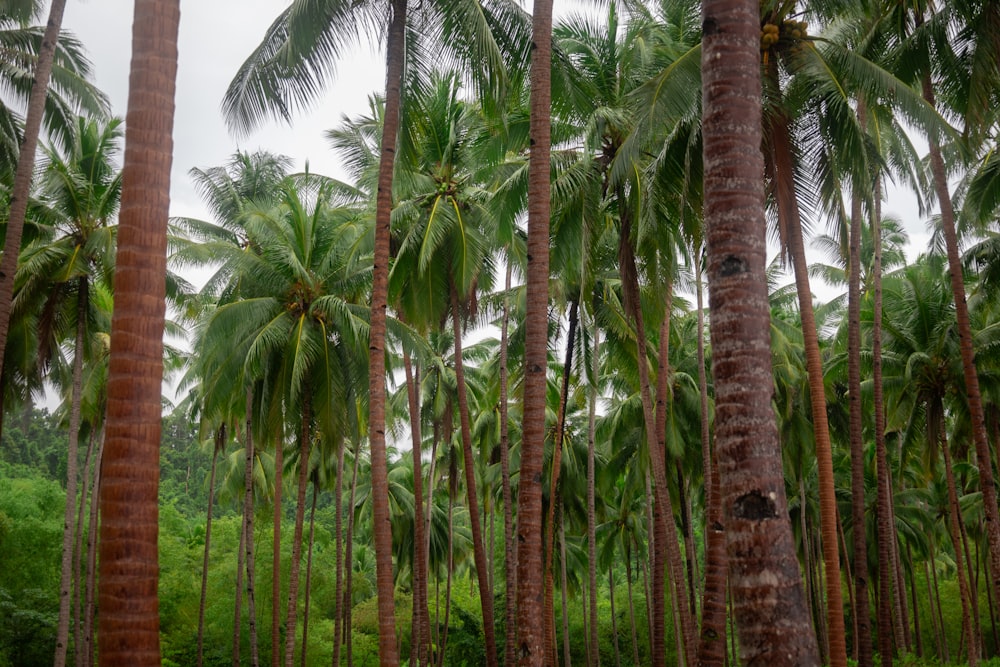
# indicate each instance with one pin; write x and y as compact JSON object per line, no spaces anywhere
{"x":421,"y":617}
{"x":291,"y":618}
{"x":248,"y":522}
{"x":309,"y":558}
{"x":592,"y":505}
{"x":22,"y":179}
{"x":770,"y":609}
{"x":279,"y":484}
{"x":88,"y":607}
{"x":78,"y":575}
{"x":129,"y":623}
{"x":238,"y":601}
{"x":338,"y":503}
{"x":218,"y":444}
{"x":510,"y":546}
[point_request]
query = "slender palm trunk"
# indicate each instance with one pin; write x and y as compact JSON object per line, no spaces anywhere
{"x":248,"y":527}
{"x":592,"y":503}
{"x":129,"y":624}
{"x":452,"y":490}
{"x":510,"y":546}
{"x":788,"y":213}
{"x":557,"y":444}
{"x":530,"y":591}
{"x":300,"y":512}
{"x":348,"y":571}
{"x":220,"y":439}
{"x":862,"y":618}
{"x":614,"y":622}
{"x":309,"y":560}
{"x":78,"y":574}
{"x":22,"y":179}
{"x":564,"y":585}
{"x":88,"y":606}
{"x":631,"y":603}
{"x":238,"y":597}
{"x":395,"y":57}
{"x":279,"y":484}
{"x":771,"y":617}
{"x":338,"y":504}
{"x":421,"y":617}
{"x":482,"y":567}
{"x":72,"y":472}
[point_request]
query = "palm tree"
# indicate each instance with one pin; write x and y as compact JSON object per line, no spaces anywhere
{"x":129,"y":628}
{"x":760,"y":538}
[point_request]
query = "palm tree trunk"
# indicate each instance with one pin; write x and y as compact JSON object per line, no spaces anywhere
{"x":338,"y":596}
{"x":932,"y":604}
{"x":631,"y":604}
{"x":863,"y":636}
{"x":592,"y":503}
{"x":238,"y":601}
{"x":72,"y":472}
{"x":984,"y":462}
{"x":913,"y":599}
{"x":482,"y":567}
{"x":901,"y":620}
{"x":789,"y":215}
{"x":452,"y":486}
{"x":557,"y":444}
{"x":279,"y":483}
{"x":78,"y":575}
{"x":567,"y":660}
{"x":614,"y":623}
{"x":220,"y":439}
{"x":771,"y":617}
{"x":129,"y":624}
{"x":348,"y":600}
{"x":510,"y":546}
{"x":690,"y":561}
{"x":530,"y":591}
{"x":421,"y":617}
{"x":22,"y":180}
{"x":309,"y":560}
{"x":395,"y":56}
{"x":300,"y":511}
{"x":248,"y":523}
{"x":88,"y":607}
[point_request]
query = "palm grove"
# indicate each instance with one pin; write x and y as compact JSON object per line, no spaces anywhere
{"x":461,"y":407}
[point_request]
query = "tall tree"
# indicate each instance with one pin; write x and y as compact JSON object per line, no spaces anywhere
{"x":771,"y":618}
{"x":129,"y":627}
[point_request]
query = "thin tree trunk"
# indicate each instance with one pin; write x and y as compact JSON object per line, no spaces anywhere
{"x":769,"y":605}
{"x":219,"y":443}
{"x":631,"y":604}
{"x":932,"y":606}
{"x":482,"y":567}
{"x":338,"y":596}
{"x":913,"y":598}
{"x":421,"y":617}
{"x":129,"y":623}
{"x":78,"y":575}
{"x":72,"y":473}
{"x":238,"y":601}
{"x":348,"y":602}
{"x":452,"y":483}
{"x":557,"y":445}
{"x":300,"y":510}
{"x":564,"y":585}
{"x":937,"y":598}
{"x":309,"y":560}
{"x":279,"y":465}
{"x":248,"y":522}
{"x":614,"y":622}
{"x":88,"y":608}
{"x":510,"y":545}
{"x":901,"y":620}
{"x":530,"y":573}
{"x":382,"y":529}
{"x":22,"y":185}
{"x":691,"y":562}
{"x":592,"y":503}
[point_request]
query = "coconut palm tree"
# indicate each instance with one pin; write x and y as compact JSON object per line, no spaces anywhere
{"x":746,"y":437}
{"x":129,"y":627}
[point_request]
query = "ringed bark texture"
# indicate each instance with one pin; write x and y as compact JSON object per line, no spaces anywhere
{"x":769,"y":603}
{"x":129,"y":622}
{"x":530,"y":620}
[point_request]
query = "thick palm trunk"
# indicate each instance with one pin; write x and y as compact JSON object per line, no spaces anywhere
{"x":421,"y":617}
{"x":984,"y":461}
{"x":309,"y":560}
{"x":862,"y":617}
{"x":769,"y":605}
{"x":788,"y":214}
{"x":291,"y":617}
{"x":592,"y":506}
{"x":557,"y":443}
{"x":22,"y":181}
{"x":129,"y":624}
{"x":382,"y":529}
{"x":220,"y":439}
{"x":72,"y":472}
{"x":530,"y":592}
{"x":248,"y":523}
{"x":510,"y":546}
{"x":482,"y":567}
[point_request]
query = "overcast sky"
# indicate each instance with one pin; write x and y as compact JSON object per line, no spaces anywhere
{"x":216,"y":36}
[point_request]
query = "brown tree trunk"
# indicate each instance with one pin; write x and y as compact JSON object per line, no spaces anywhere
{"x":421,"y":641}
{"x":220,"y":442}
{"x":348,"y":600}
{"x":564,"y":585}
{"x":129,"y":623}
{"x":382,"y":529}
{"x":22,"y":180}
{"x":248,"y":523}
{"x":769,"y":605}
{"x":614,"y":623}
{"x":88,"y":606}
{"x":862,"y":618}
{"x":238,"y":601}
{"x":338,"y":596}
{"x":279,"y":483}
{"x":592,"y":505}
{"x":300,"y":512}
{"x":510,"y":546}
{"x":557,"y":444}
{"x":78,"y":574}
{"x":631,"y":602}
{"x":530,"y":591}
{"x":309,"y":560}
{"x":452,"y":490}
{"x":788,"y":213}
